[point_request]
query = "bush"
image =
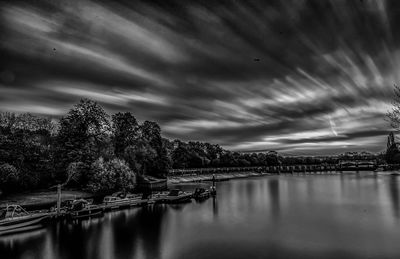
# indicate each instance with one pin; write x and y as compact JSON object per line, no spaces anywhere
{"x":9,"y":177}
{"x":112,"y":175}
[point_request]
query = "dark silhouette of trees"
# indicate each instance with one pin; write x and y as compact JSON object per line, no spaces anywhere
{"x":25,"y":145}
{"x":150,"y":133}
{"x":141,"y":145}
{"x":392,"y":155}
{"x":125,"y":131}
{"x":87,"y":149}
{"x":140,"y":157}
{"x":83,"y":137}
{"x":9,"y":178}
{"x":392,"y":151}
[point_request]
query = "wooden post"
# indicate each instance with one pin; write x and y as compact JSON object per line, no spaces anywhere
{"x":58,"y":199}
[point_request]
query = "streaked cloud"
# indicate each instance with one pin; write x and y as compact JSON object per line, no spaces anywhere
{"x":306,"y":77}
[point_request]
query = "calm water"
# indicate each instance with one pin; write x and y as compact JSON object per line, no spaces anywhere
{"x":337,"y":216}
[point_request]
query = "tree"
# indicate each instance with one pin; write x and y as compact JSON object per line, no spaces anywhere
{"x":83,"y":137}
{"x":150,"y":133}
{"x":394,"y":119}
{"x":25,"y":143}
{"x":126,"y":132}
{"x":392,"y":150}
{"x":180,"y":157}
{"x":109,"y":176}
{"x":140,"y":157}
{"x":394,"y":115}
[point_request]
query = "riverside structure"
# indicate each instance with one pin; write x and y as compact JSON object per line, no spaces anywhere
{"x":308,"y":169}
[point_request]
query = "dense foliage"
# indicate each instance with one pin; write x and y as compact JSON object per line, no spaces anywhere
{"x":89,"y":149}
{"x":112,"y":175}
{"x":101,"y":154}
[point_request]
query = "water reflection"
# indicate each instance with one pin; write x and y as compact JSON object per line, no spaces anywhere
{"x":12,"y":245}
{"x":215,"y":206}
{"x":287,"y":216}
{"x":394,"y":195}
{"x":273,"y":185}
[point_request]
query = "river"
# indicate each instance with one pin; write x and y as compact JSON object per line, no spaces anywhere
{"x":285,"y":216}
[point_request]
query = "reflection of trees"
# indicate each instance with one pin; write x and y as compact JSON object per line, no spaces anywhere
{"x":150,"y":221}
{"x":15,"y":245}
{"x":117,"y":235}
{"x":146,"y":226}
{"x":273,"y":185}
{"x":215,"y":206}
{"x":77,"y":239}
{"x":394,"y":195}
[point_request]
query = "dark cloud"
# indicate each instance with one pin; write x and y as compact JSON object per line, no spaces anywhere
{"x":250,"y":75}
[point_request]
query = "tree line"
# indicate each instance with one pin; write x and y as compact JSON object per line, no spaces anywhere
{"x":98,"y":152}
{"x":102,"y":153}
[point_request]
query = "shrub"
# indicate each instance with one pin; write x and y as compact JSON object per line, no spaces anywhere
{"x":112,"y":175}
{"x":9,"y":177}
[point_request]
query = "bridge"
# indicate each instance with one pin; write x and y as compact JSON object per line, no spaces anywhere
{"x":307,"y":169}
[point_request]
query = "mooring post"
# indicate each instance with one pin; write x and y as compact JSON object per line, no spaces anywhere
{"x":58,"y":198}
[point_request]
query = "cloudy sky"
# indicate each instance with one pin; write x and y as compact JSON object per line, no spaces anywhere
{"x":300,"y":77}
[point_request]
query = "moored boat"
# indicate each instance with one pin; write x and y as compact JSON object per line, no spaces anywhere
{"x":158,"y":197}
{"x":213,"y":191}
{"x":201,"y":194}
{"x":81,"y":208}
{"x":14,"y":219}
{"x":178,"y":196}
{"x":118,"y":201}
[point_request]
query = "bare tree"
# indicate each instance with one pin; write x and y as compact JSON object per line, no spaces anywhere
{"x":393,"y":116}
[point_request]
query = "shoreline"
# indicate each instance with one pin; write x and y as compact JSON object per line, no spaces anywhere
{"x":45,"y":199}
{"x":208,"y":177}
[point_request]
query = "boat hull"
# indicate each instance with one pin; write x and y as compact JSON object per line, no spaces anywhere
{"x":202,"y":196}
{"x":178,"y":199}
{"x":123,"y":204}
{"x":22,"y":224}
{"x":86,"y":213}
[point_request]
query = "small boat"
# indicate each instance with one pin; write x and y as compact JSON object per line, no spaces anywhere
{"x":138,"y":199}
{"x":14,"y":219}
{"x":213,"y":191}
{"x":81,"y":208}
{"x":178,"y":196}
{"x":125,"y":201}
{"x":201,"y":194}
{"x":158,"y":197}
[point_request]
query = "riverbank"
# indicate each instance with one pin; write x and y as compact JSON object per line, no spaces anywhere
{"x":46,"y":199}
{"x":209,"y":177}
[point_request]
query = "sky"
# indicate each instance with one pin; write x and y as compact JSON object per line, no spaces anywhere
{"x":298,"y":77}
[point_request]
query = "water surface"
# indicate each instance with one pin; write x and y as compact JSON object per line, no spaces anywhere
{"x":299,"y":216}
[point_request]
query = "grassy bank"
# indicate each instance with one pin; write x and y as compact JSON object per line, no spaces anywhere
{"x":40,"y":199}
